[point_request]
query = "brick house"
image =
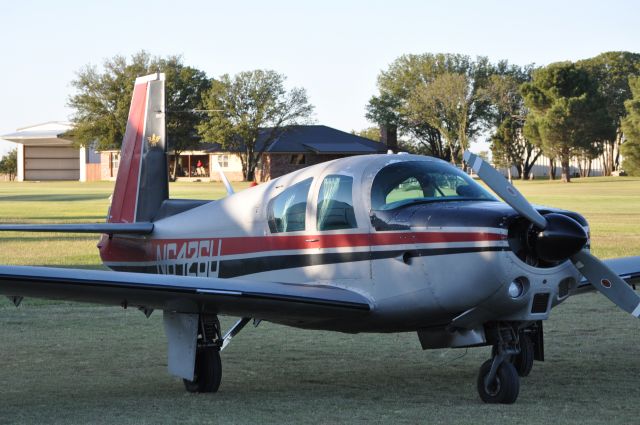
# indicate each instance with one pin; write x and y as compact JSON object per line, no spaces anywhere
{"x":298,"y":147}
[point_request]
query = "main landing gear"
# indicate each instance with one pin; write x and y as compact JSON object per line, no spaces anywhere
{"x":512,"y":357}
{"x":208,"y":366}
{"x":207,"y":373}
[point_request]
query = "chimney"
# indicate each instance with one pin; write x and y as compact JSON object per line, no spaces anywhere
{"x":389,"y":136}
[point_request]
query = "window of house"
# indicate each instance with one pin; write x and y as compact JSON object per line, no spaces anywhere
{"x":298,"y":159}
{"x":223,"y":160}
{"x":286,"y":212}
{"x":335,"y":203}
{"x":115,"y":163}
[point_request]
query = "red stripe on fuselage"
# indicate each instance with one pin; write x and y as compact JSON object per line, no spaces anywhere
{"x":125,"y":193}
{"x":137,"y":250}
{"x":247,"y":245}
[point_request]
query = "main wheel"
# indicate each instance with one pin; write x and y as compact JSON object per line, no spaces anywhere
{"x":207,"y":373}
{"x":523,"y":361}
{"x":505,"y":387}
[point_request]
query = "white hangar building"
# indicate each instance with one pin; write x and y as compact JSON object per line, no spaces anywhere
{"x":44,"y":154}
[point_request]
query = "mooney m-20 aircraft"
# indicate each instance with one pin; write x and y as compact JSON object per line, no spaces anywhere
{"x":377,"y":243}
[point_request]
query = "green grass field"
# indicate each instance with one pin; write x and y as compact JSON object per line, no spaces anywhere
{"x":76,"y":363}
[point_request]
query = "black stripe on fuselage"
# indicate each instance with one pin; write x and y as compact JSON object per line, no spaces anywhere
{"x":251,"y":265}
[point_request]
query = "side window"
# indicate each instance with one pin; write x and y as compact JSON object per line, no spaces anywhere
{"x":335,"y":203}
{"x":287,"y":211}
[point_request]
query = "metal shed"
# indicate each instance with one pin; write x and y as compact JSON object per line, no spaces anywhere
{"x":44,"y":154}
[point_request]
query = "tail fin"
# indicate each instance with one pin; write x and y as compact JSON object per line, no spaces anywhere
{"x":142,"y":183}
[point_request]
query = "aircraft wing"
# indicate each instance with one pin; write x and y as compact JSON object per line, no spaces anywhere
{"x":274,"y":301}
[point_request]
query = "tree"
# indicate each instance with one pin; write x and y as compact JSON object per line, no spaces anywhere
{"x":507,"y":147}
{"x":249,"y":111}
{"x":102,"y":99}
{"x":184,"y":89}
{"x":386,"y":110}
{"x":444,"y":105}
{"x":567,"y":114}
{"x":631,"y":128}
{"x":415,"y":95}
{"x":371,"y":133}
{"x":611,"y":72}
{"x":506,"y":115}
{"x":586,"y":154}
{"x":9,"y":164}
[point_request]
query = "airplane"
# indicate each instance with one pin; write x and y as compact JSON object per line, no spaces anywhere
{"x":374,"y":243}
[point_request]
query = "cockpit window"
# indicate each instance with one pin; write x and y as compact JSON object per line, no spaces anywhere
{"x":409,"y":182}
{"x":287,"y":210}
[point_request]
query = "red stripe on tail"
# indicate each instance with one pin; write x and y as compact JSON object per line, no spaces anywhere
{"x":125,"y":193}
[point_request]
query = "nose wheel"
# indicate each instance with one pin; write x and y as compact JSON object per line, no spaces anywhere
{"x":511,"y":357}
{"x":502,"y":386}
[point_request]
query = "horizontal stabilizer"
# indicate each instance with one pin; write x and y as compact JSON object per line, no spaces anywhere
{"x":103,"y":228}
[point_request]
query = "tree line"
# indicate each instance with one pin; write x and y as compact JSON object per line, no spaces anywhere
{"x":438,"y":103}
{"x":565,"y":110}
{"x":9,"y":164}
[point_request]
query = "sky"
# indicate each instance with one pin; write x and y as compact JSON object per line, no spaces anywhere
{"x":333,"y":49}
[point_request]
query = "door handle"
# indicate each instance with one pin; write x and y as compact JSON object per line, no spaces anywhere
{"x":312,"y":240}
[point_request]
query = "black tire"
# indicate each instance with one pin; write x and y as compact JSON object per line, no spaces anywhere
{"x":207,"y":373}
{"x":523,"y":361}
{"x":506,"y":387}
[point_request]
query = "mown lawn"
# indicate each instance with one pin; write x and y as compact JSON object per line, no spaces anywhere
{"x":77,"y":363}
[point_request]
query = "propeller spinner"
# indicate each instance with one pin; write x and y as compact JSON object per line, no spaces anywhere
{"x":556,"y":237}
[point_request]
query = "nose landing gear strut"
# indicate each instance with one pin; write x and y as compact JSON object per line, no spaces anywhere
{"x":512,"y":357}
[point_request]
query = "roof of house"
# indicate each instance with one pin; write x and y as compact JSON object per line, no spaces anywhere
{"x":318,"y":139}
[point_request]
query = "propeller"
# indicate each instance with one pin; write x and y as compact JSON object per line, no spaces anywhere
{"x":556,"y":237}
{"x":504,"y":189}
{"x":225,"y":180}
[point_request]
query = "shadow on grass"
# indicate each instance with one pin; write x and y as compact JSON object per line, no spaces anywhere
{"x":50,"y":218}
{"x":54,"y":198}
{"x":36,"y":237}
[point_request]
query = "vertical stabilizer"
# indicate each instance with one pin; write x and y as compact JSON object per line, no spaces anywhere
{"x":142,"y":183}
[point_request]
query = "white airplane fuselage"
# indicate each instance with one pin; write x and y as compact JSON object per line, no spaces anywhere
{"x":453,"y":262}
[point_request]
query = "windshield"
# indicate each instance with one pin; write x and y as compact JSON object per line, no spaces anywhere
{"x":410,"y":182}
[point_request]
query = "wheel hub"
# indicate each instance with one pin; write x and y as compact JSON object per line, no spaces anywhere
{"x":493,"y":388}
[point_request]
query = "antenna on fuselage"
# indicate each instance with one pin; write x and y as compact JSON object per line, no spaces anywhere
{"x":223,"y":178}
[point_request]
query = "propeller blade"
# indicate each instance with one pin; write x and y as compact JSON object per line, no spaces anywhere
{"x":225,"y":180}
{"x":607,"y":282}
{"x":504,"y":189}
